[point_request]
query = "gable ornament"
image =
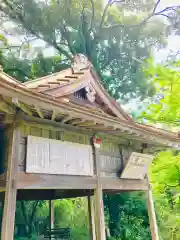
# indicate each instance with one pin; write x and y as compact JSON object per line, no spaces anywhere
{"x":90,"y":93}
{"x":80,"y":62}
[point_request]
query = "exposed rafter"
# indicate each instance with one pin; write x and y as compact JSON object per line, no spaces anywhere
{"x":22,"y":106}
{"x":66,"y":118}
{"x":39,"y":112}
{"x":86,"y":123}
{"x":76,"y":121}
{"x":5,"y":107}
{"x":54,"y":114}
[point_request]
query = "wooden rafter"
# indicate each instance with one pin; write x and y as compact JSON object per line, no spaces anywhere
{"x":22,"y":106}
{"x":73,"y":77}
{"x":66,"y":118}
{"x":54,"y":114}
{"x":63,"y":80}
{"x":39,"y":112}
{"x":96,"y":126}
{"x":58,"y":83}
{"x":44,"y":85}
{"x":6,"y":108}
{"x":86,"y":123}
{"x":76,"y":121}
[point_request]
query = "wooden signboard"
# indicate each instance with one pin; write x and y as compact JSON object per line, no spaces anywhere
{"x":137,"y":166}
{"x":50,"y":156}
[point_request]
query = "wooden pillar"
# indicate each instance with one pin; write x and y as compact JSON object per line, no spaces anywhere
{"x":9,"y":209}
{"x":51,"y":215}
{"x":92,"y":229}
{"x":98,"y":197}
{"x":152,"y":215}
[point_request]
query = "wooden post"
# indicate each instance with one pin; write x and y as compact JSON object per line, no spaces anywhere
{"x":92,"y":229}
{"x":99,"y":205}
{"x":51,"y":215}
{"x":8,"y":220}
{"x":152,"y":215}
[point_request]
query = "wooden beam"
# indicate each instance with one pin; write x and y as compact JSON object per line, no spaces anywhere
{"x":99,"y":205}
{"x":44,"y":85}
{"x":63,"y":80}
{"x":119,"y":184}
{"x":51,"y":214}
{"x":72,"y":76}
{"x":92,"y":229}
{"x":76,"y":121}
{"x":22,"y":106}
{"x":86,"y":123}
{"x":54,"y":82}
{"x":39,"y":112}
{"x":8,"y":118}
{"x":45,"y":181}
{"x":7,"y":232}
{"x":54,"y":114}
{"x":66,"y":118}
{"x":152,"y":215}
{"x":5,"y":107}
{"x":97,"y":126}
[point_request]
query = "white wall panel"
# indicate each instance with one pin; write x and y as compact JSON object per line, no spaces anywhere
{"x":57,"y":157}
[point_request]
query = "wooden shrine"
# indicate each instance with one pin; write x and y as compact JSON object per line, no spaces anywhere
{"x":63,"y":136}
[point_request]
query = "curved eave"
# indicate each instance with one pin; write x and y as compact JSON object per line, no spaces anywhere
{"x":13,"y":90}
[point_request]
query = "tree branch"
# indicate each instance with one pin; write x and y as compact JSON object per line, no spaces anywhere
{"x":155,"y":6}
{"x":93,"y":14}
{"x":18,"y":16}
{"x":153,"y":13}
{"x":109,"y":4}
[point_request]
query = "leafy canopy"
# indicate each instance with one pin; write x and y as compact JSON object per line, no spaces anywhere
{"x":165,"y":108}
{"x":116,"y":36}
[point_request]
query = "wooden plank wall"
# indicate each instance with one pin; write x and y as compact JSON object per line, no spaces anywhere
{"x":5,"y":140}
{"x":111,"y":160}
{"x":46,"y":132}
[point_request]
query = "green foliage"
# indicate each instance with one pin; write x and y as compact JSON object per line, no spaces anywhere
{"x":102,"y":31}
{"x":165,"y":175}
{"x":165,"y":171}
{"x":68,"y":213}
{"x":127,"y":216}
{"x":165,"y":108}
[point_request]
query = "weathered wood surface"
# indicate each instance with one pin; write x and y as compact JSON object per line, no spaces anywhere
{"x":123,"y":184}
{"x":137,"y":166}
{"x":57,"y":157}
{"x":3,"y":182}
{"x":51,"y":214}
{"x":91,"y":212}
{"x":45,"y":181}
{"x":98,"y":200}
{"x":152,"y":215}
{"x":11,"y":187}
{"x":111,"y":160}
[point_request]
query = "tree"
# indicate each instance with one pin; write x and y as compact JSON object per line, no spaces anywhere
{"x":165,"y":178}
{"x":26,"y":214}
{"x":127,"y":216}
{"x":165,"y":107}
{"x":114,"y":41}
{"x":165,"y":171}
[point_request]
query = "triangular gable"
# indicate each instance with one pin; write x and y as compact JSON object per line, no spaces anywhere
{"x":43,"y":107}
{"x":71,"y":82}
